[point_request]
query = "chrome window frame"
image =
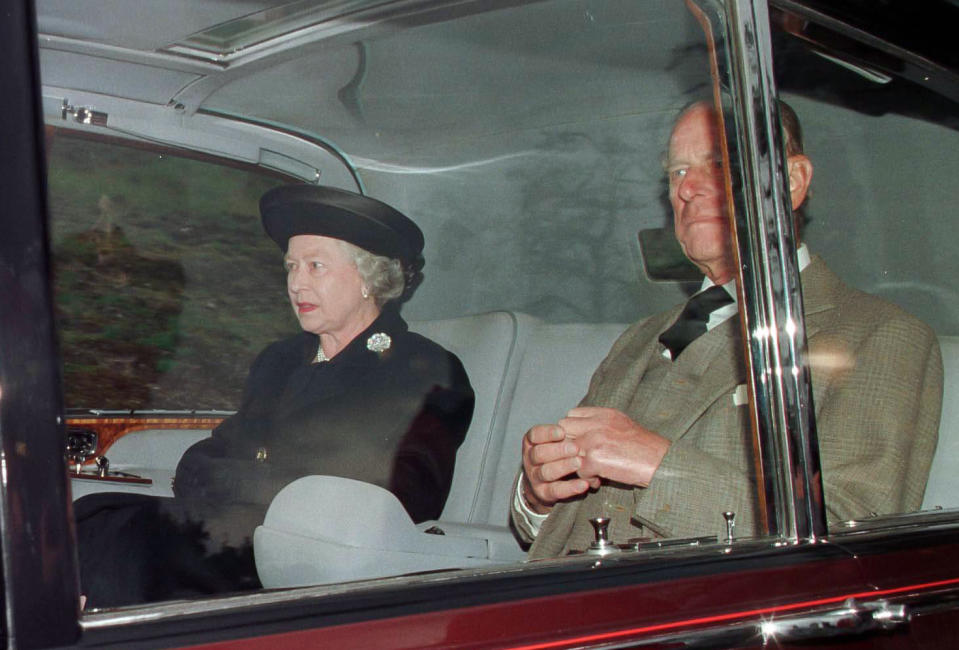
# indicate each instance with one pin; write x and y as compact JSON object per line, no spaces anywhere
{"x":780,"y":386}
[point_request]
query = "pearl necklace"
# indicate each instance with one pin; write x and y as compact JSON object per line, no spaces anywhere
{"x":320,"y":355}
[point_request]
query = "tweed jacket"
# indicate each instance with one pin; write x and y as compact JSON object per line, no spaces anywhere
{"x":877,"y":392}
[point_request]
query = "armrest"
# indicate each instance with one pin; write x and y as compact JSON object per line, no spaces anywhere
{"x":323,"y":529}
{"x":501,"y":543}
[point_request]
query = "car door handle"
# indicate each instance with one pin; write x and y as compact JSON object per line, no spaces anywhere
{"x":852,"y":619}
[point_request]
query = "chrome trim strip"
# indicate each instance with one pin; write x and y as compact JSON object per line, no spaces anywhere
{"x":770,"y":276}
{"x":770,"y":291}
{"x":855,"y":618}
{"x":885,"y":524}
{"x":161,"y":60}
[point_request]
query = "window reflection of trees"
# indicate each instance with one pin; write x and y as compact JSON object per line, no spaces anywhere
{"x":118,"y":312}
{"x":165,"y":286}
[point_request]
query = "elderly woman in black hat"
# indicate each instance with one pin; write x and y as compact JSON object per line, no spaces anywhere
{"x":355,"y":394}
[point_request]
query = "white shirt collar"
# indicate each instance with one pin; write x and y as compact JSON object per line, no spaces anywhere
{"x":724,"y":313}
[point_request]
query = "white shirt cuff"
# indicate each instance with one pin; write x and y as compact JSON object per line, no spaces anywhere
{"x":533,"y":520}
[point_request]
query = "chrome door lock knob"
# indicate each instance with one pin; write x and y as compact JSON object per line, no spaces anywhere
{"x":601,"y":545}
{"x":730,"y":518}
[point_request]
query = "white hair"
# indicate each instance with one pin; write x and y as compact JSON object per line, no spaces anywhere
{"x":383,"y":276}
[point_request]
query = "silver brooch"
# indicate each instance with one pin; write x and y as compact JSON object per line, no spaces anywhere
{"x":379,"y":342}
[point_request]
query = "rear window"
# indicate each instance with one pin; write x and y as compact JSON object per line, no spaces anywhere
{"x":165,"y":287}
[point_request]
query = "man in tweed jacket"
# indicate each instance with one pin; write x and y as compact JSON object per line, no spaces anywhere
{"x":663,"y":447}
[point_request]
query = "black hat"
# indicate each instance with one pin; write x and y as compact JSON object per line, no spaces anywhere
{"x":315,"y":210}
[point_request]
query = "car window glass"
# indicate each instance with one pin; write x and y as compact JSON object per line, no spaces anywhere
{"x":883,"y":149}
{"x":159,"y":270}
{"x":528,"y":145}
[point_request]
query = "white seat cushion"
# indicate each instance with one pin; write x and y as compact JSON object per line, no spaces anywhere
{"x":487,"y":346}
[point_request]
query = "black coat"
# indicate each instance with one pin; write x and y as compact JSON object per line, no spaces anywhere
{"x":394,"y":418}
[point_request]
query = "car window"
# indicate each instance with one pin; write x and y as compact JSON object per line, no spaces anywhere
{"x":528,"y":143}
{"x":530,"y":156}
{"x":881,"y":145}
{"x":164,"y":288}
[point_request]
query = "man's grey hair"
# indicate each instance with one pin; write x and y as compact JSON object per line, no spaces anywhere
{"x":792,"y":135}
{"x":792,"y":131}
{"x":383,"y":276}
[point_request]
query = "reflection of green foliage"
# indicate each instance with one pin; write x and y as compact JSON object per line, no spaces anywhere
{"x":165,"y":285}
{"x":114,"y":306}
{"x":165,"y":340}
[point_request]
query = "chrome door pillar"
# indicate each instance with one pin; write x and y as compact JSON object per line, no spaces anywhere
{"x":782,"y":407}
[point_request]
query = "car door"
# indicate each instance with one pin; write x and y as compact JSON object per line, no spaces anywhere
{"x":36,"y":531}
{"x":796,"y":581}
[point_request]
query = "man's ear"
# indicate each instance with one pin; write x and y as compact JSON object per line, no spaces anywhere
{"x":800,"y":176}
